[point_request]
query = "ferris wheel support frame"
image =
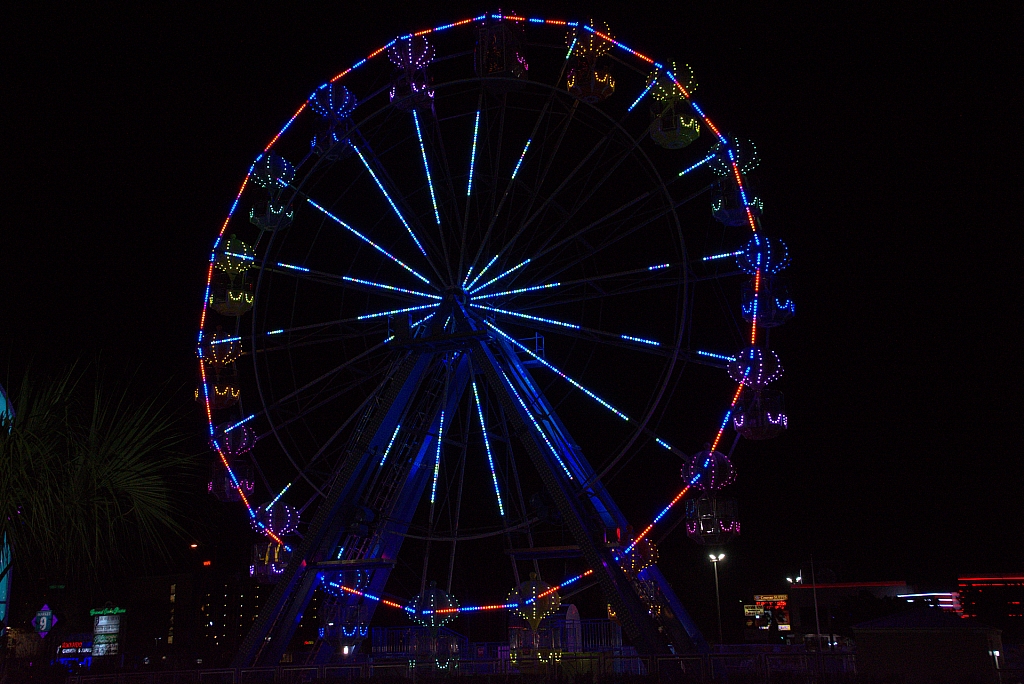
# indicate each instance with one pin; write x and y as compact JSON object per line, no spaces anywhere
{"x":582,"y":501}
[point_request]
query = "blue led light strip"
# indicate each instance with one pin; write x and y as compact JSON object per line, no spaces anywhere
{"x":388,"y":198}
{"x":487,"y":446}
{"x":702,"y":162}
{"x":293,"y":267}
{"x":712,"y":355}
{"x":562,"y":375}
{"x":573,"y":326}
{"x":241,"y":422}
{"x":390,"y":287}
{"x":724,"y":255}
{"x":641,"y":340}
{"x":666,"y":509}
{"x":499,"y":276}
{"x":368,"y":241}
{"x":279,"y":495}
{"x":529,"y":414}
{"x":516,"y":291}
{"x":656,"y":267}
{"x":437,"y":461}
{"x":646,"y":90}
{"x":521,"y":157}
{"x":526,"y":316}
{"x":426,"y":166}
{"x":390,"y":444}
{"x":396,"y":311}
{"x":482,"y":271}
{"x":225,"y":340}
{"x":472,"y":158}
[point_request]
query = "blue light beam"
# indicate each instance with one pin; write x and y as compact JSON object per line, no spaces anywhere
{"x":499,"y":276}
{"x":390,"y":201}
{"x":368,"y":241}
{"x":557,"y":372}
{"x":487,"y":446}
{"x":426,"y":166}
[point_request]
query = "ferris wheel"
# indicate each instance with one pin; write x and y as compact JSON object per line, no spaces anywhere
{"x":455,"y":294}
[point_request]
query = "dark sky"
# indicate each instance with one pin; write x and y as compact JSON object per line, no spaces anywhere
{"x":890,"y":146}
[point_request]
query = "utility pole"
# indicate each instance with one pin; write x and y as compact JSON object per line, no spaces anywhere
{"x":817,"y":620}
{"x":718,"y":597}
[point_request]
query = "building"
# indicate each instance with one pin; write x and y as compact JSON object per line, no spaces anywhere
{"x":944,"y":600}
{"x":997,"y":600}
{"x":927,"y":646}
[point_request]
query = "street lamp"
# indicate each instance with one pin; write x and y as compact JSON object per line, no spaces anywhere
{"x":718,"y":598}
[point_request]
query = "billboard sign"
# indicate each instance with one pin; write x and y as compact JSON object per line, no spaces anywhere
{"x":44,"y":620}
{"x":106,"y":630}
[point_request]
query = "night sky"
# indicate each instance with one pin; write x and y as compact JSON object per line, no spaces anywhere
{"x":889,"y":142}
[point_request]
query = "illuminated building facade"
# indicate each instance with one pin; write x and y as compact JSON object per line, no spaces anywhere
{"x":996,"y":600}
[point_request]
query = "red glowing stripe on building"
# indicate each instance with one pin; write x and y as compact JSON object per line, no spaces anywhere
{"x":421,"y":33}
{"x":556,"y":22}
{"x":750,"y":220}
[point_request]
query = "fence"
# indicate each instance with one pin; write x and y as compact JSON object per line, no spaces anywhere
{"x":756,"y":668}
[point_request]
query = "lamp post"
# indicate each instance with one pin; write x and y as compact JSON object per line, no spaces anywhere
{"x":718,"y":598}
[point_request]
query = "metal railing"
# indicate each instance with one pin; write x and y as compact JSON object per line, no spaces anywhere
{"x":752,"y":668}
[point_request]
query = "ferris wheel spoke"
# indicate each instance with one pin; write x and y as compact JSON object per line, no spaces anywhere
{"x":315,"y":381}
{"x":469,"y":183}
{"x":457,"y":225}
{"x":600,"y":293}
{"x":544,"y":174}
{"x":579,"y":386}
{"x":433,"y":195}
{"x":594,"y":187}
{"x":487,"y":447}
{"x":643,"y":342}
{"x":368,"y":241}
{"x":550,"y":367}
{"x":527,"y":222}
{"x":307,"y":410}
{"x":569,"y":283}
{"x":348,"y":281}
{"x":626,"y":231}
{"x":511,"y":182}
{"x":304,"y":471}
{"x":313,"y":460}
{"x":394,"y":206}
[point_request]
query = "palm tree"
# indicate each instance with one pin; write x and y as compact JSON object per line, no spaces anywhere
{"x":87,"y":475}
